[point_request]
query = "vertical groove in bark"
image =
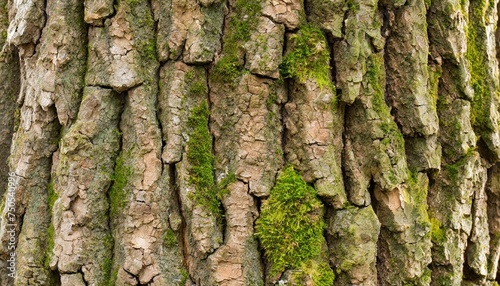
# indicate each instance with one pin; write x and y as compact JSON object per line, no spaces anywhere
{"x":34,"y":142}
{"x":457,"y":197}
{"x":245,"y":121}
{"x":82,"y":173}
{"x":9,"y":90}
{"x":138,"y":224}
{"x":413,"y":103}
{"x":174,"y":240}
{"x":492,"y":193}
{"x":62,"y":63}
{"x":313,"y":118}
{"x":456,"y":137}
{"x":354,"y":231}
{"x":478,"y":242}
{"x":184,"y":117}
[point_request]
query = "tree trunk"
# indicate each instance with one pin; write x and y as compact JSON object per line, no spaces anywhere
{"x":263,"y":142}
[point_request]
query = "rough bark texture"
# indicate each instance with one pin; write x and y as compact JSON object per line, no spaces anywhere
{"x":263,"y":142}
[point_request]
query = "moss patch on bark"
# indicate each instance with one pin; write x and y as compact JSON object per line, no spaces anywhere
{"x":290,"y":227}
{"x":476,"y":56}
{"x":242,"y":21}
{"x":52,"y":197}
{"x":308,"y":58}
{"x":117,"y":192}
{"x":199,"y":154}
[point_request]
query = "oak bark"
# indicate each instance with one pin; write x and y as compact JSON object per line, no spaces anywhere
{"x":186,"y":142}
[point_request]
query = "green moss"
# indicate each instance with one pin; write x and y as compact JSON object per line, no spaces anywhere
{"x":198,"y":88}
{"x":376,"y":78}
{"x":319,"y":272}
{"x":463,"y":4}
{"x":353,"y":6}
{"x":438,"y":234}
{"x":433,"y":86}
{"x":476,"y":56}
{"x":113,"y":277}
{"x":418,"y":194}
{"x":444,"y":279}
{"x":17,"y":118}
{"x":224,"y":184}
{"x":393,"y":141}
{"x":148,"y":49}
{"x":117,"y":193}
{"x":142,"y":24}
{"x":200,"y":148}
{"x":185,"y":277}
{"x":240,"y":24}
{"x":427,"y":4}
{"x":455,"y":168}
{"x":491,"y":4}
{"x":322,"y":274}
{"x":426,"y":277}
{"x":308,"y":58}
{"x":347,"y":264}
{"x":4,"y":36}
{"x":173,"y":54}
{"x":413,"y":184}
{"x":50,"y":245}
{"x":170,"y":238}
{"x":189,"y":76}
{"x":290,"y":227}
{"x":106,"y":263}
{"x":228,"y":68}
{"x":52,"y":197}
{"x":271,"y":100}
{"x":201,"y":160}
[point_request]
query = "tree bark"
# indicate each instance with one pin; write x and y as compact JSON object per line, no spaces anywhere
{"x":263,"y":142}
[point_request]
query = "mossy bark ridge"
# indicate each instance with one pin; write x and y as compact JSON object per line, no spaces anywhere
{"x":264,"y":142}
